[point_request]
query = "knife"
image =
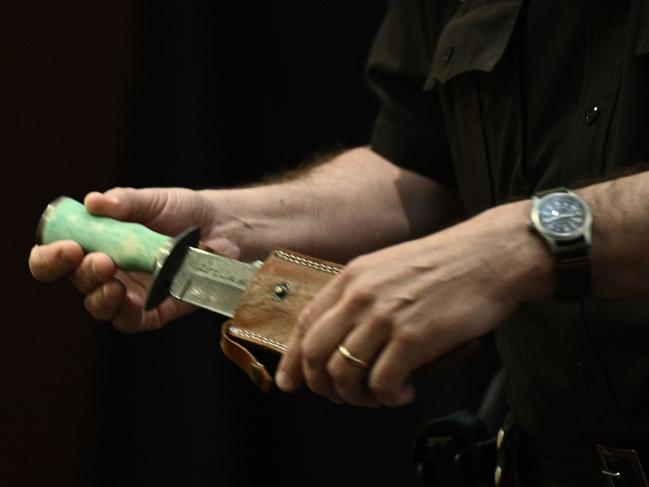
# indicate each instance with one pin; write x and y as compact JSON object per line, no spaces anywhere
{"x":177,"y":266}
{"x":263,"y":299}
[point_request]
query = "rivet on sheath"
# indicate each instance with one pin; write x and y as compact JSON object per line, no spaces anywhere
{"x":280,"y":291}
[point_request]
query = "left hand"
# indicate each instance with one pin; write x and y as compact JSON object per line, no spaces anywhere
{"x":404,"y":306}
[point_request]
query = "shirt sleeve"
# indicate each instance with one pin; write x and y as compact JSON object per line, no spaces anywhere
{"x":409,"y":129}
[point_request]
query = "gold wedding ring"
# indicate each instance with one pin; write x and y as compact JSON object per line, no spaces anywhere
{"x":347,"y":355}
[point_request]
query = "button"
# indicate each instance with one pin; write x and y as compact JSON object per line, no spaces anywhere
{"x":592,"y":115}
{"x":581,"y":371}
{"x":448,"y":53}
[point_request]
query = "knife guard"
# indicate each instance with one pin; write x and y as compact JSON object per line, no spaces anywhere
{"x":269,"y":307}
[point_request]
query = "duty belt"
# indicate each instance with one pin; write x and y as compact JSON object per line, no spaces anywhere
{"x":521,"y":457}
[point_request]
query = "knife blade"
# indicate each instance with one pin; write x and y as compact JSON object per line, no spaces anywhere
{"x":211,"y":281}
{"x":177,"y":266}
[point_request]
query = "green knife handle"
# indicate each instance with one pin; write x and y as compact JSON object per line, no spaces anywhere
{"x":132,"y":246}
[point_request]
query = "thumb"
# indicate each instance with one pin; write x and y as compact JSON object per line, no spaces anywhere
{"x":167,"y":210}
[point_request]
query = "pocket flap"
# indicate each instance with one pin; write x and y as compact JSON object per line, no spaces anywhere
{"x":474,"y":38}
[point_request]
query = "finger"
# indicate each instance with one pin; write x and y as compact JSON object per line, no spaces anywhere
{"x":53,"y":261}
{"x":289,"y":376}
{"x":324,"y":337}
{"x":319,"y":343}
{"x":139,"y":285}
{"x":151,"y":206}
{"x":170,"y":310}
{"x":133,"y":318}
{"x":127,"y":204}
{"x":96,"y":268}
{"x":365,"y":343}
{"x":104,"y":302}
{"x":390,"y":375}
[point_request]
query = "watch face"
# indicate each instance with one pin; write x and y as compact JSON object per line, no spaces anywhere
{"x":562,"y":215}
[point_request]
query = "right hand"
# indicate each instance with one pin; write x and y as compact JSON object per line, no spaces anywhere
{"x":115,"y":295}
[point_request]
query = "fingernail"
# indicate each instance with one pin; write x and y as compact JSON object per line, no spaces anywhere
{"x":110,"y":197}
{"x":283,"y":381}
{"x":106,"y":291}
{"x":93,"y":268}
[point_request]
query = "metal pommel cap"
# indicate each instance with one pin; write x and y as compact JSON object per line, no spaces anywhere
{"x":42,"y":222}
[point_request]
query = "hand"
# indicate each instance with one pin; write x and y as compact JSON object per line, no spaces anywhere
{"x":111,"y":294}
{"x":404,"y":306}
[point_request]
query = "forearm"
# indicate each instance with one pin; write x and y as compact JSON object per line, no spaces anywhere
{"x":620,"y":248}
{"x":355,"y":203}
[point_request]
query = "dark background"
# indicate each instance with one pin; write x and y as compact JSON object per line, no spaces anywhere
{"x":175,"y":93}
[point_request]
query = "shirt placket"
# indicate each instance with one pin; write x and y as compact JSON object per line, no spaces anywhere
{"x":606,"y":27}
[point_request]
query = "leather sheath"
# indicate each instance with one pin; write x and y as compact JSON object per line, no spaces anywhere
{"x":269,"y":307}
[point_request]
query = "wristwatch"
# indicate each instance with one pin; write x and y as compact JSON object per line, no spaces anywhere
{"x":563,"y":220}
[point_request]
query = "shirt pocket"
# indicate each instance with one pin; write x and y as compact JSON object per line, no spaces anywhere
{"x":474,"y":39}
{"x":471,"y":90}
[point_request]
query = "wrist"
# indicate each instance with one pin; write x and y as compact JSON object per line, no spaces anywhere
{"x":257,"y":219}
{"x":523,"y":262}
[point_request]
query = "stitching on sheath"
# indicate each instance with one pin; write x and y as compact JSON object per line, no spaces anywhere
{"x":248,"y":334}
{"x":309,"y":263}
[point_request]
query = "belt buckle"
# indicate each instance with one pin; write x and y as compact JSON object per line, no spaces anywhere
{"x":622,"y":468}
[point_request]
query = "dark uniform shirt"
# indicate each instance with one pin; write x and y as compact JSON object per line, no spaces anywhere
{"x":502,"y":98}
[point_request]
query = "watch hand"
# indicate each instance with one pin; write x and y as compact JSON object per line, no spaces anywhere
{"x":560,"y":217}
